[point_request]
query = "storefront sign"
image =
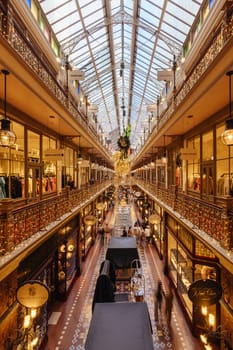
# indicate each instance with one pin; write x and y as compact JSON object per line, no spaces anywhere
{"x":32,"y":294}
{"x":146,"y":205}
{"x":76,"y":74}
{"x":90,"y":220}
{"x":152,"y":108}
{"x":188,"y":153}
{"x":154,"y":219}
{"x":165,"y":75}
{"x":93,"y":109}
{"x":137,"y":194}
{"x":160,"y":162}
{"x":205,"y":292}
{"x":54,"y":154}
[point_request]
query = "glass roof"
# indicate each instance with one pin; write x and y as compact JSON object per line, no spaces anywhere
{"x":121,"y":45}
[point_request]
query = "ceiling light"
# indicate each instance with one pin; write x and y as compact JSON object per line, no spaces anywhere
{"x":7,"y":137}
{"x":227,"y":135}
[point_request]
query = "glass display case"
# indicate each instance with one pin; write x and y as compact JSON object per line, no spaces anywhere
{"x":67,"y":264}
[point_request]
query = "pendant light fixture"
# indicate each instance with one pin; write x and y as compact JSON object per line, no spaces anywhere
{"x":79,"y":153}
{"x":227,"y":135}
{"x":7,"y":137}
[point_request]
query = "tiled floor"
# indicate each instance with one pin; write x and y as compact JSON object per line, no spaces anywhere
{"x":70,"y":331}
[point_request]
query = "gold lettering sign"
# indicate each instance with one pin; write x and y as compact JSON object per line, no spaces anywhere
{"x":32,"y":294}
{"x":207,"y":292}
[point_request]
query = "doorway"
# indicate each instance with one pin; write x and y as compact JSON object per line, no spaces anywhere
{"x":207,"y":183}
{"x":34,"y":182}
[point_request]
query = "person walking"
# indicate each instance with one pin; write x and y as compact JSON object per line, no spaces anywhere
{"x":102,"y":234}
{"x":158,"y":300}
{"x":168,"y":304}
{"x":130,"y":231}
{"x":107,"y":232}
{"x":124,"y":233}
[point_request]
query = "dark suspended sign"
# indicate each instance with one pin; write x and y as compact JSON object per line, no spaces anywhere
{"x":205,"y":292}
{"x":32,"y":294}
{"x":146,"y":205}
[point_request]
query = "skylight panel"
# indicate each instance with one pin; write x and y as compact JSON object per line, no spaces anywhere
{"x":181,"y":12}
{"x":50,"y":5}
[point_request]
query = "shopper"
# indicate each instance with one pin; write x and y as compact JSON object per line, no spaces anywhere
{"x":147,"y":234}
{"x":168,"y":304}
{"x":158,"y":300}
{"x":107,"y":232}
{"x":130,"y":231}
{"x":102,"y":234}
{"x":124,"y":233}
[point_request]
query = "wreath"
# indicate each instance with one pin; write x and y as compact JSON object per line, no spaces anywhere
{"x":123,"y":143}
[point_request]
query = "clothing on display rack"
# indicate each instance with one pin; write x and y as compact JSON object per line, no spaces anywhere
{"x":2,"y":187}
{"x":13,"y":186}
{"x":225,"y":184}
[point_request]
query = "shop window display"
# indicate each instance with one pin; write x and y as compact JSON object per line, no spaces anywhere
{"x":12,"y":167}
{"x":67,"y":263}
{"x":194,"y":180}
{"x":207,"y":146}
{"x":224,"y":166}
{"x":68,"y":170}
{"x":202,"y":173}
{"x":184,"y":271}
{"x":49,"y":178}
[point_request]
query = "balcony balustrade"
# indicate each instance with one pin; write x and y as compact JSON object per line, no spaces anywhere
{"x":19,"y":224}
{"x":214,"y":220}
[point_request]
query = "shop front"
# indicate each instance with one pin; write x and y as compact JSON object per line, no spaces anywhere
{"x":38,"y":165}
{"x":188,"y":261}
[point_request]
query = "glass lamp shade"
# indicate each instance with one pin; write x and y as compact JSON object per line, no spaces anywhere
{"x":227,"y":135}
{"x":164,"y":159}
{"x":79,"y":158}
{"x":7,"y":137}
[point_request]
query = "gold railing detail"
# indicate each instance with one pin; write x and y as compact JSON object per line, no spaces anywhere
{"x":216,"y":221}
{"x":17,"y":225}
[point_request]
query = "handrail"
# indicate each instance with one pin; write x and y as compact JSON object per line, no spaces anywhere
{"x":215,"y":220}
{"x":19,"y":224}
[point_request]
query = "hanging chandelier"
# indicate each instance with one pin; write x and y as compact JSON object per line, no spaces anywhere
{"x":7,"y":137}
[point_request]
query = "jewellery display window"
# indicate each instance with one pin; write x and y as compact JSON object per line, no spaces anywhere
{"x":184,"y":271}
{"x":67,"y":264}
{"x":86,"y":235}
{"x":39,"y":266}
{"x":40,"y":322}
